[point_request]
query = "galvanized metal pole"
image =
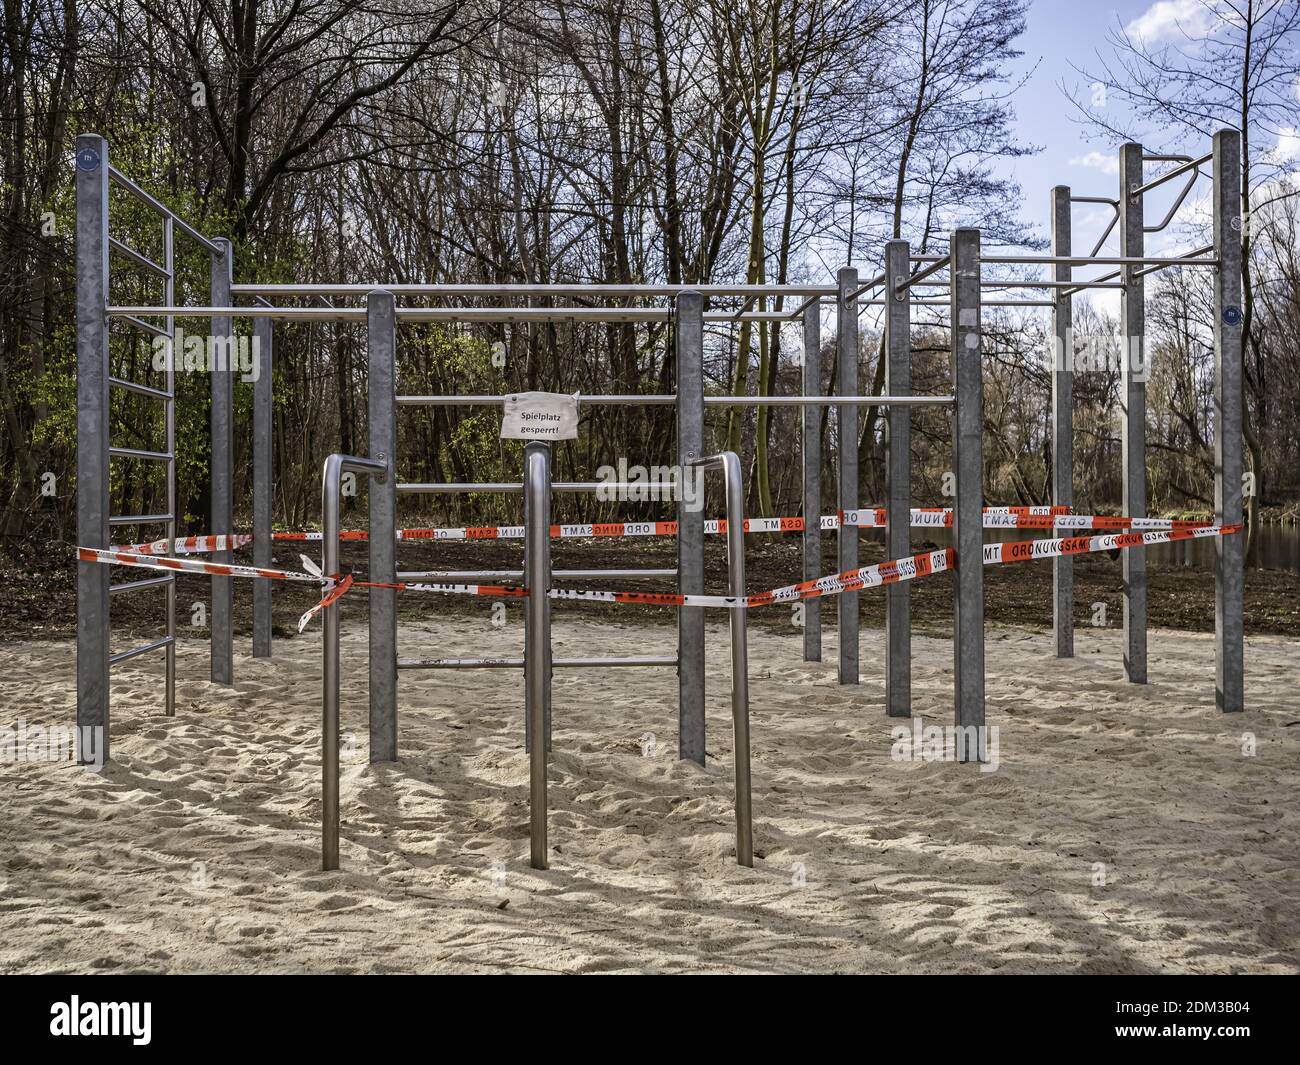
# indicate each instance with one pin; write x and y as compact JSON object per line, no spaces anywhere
{"x":169,"y":422}
{"x":92,"y":447}
{"x":221,"y":463}
{"x":846,"y":449}
{"x":263,"y":483}
{"x":898,"y":478}
{"x":735,"y":490}
{"x":537,"y":639}
{"x":968,"y":506}
{"x":689,"y":330}
{"x":1062,"y":371}
{"x":1229,"y":551}
{"x":1133,"y":397}
{"x":381,"y":343}
{"x":811,"y":448}
{"x":331,"y":490}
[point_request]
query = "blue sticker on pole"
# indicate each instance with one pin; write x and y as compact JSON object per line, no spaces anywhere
{"x":1232,"y":316}
{"x":88,"y":159}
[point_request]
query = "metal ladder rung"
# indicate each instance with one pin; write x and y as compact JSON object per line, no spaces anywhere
{"x":141,"y":390}
{"x":140,"y":519}
{"x":135,"y":652}
{"x":149,"y":582}
{"x":137,"y":453}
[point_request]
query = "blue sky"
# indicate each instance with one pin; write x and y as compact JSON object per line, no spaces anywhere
{"x":1061,"y":32}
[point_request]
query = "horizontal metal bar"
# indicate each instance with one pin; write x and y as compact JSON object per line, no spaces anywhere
{"x":1094,"y":199}
{"x":1177,"y":261}
{"x":488,"y":401}
{"x":1190,"y":164}
{"x":135,"y":652}
{"x":625,"y":660}
{"x":983,"y":303}
{"x":140,"y":390}
{"x":140,"y":323}
{"x":136,"y":453}
{"x":1096,"y":260}
{"x":122,"y":181}
{"x":133,"y":586}
{"x":609,"y":291}
{"x":534,"y":314}
{"x":139,"y":519}
{"x":460,"y":574}
{"x":138,"y":257}
{"x":614,"y":574}
{"x":827,"y":401}
{"x":322,"y":314}
{"x":432,"y":488}
{"x":460,"y":663}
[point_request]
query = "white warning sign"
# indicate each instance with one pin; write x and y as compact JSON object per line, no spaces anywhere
{"x":540,"y":416}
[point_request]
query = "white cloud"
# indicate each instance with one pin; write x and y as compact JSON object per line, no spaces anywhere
{"x":1106,"y":163}
{"x":1170,"y":19}
{"x":1287,"y":148}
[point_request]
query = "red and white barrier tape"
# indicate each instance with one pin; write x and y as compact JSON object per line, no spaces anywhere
{"x":881,"y":573}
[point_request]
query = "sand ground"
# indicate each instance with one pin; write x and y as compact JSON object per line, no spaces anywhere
{"x":1126,"y":829}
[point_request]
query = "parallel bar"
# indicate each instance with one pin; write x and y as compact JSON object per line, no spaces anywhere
{"x":1062,"y":422}
{"x":496,"y":401}
{"x":615,"y":291}
{"x":612,"y":574}
{"x":142,"y":390}
{"x":122,"y":181}
{"x":846,"y":449}
{"x":460,"y":663}
{"x":221,"y":470}
{"x":263,"y":482}
{"x":594,"y":662}
{"x":136,"y":257}
{"x":968,"y":519}
{"x":537,"y":639}
{"x":665,"y":488}
{"x":144,"y":649}
{"x":139,"y":519}
{"x":381,"y":346}
{"x":811,"y":448}
{"x":1229,"y":325}
{"x":135,"y":586}
{"x":311,"y":314}
{"x":688,"y":327}
{"x":898,"y":486}
{"x":92,"y":171}
{"x":827,"y":401}
{"x":709,"y":401}
{"x":1133,"y":399}
{"x":1098,"y":260}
